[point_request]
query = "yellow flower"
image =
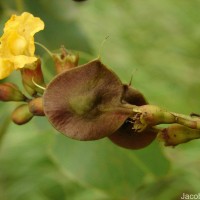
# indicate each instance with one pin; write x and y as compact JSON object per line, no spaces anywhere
{"x":17,"y":43}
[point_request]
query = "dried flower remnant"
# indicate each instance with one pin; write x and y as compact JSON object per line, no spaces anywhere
{"x":65,"y":60}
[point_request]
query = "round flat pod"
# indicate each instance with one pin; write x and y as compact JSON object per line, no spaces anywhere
{"x":133,"y":96}
{"x":84,"y":103}
{"x":127,"y":137}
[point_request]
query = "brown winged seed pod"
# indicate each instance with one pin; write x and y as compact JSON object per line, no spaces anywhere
{"x":126,"y":136}
{"x":85,"y":103}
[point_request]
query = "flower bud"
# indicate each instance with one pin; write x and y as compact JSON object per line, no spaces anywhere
{"x":21,"y":114}
{"x":177,"y":134}
{"x":10,"y":92}
{"x":65,"y":61}
{"x":36,"y":107}
{"x":31,"y":75}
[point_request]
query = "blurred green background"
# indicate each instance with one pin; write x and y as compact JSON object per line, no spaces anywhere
{"x":158,"y":42}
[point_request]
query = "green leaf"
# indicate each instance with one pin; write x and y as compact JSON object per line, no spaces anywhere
{"x":102,"y":165}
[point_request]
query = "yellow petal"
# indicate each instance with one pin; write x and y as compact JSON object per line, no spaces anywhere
{"x":7,"y":65}
{"x":25,"y":24}
{"x":13,"y":44}
{"x":6,"y":68}
{"x":17,"y":46}
{"x":23,"y":61}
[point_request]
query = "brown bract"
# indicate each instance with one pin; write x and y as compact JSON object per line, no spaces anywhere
{"x":84,"y":103}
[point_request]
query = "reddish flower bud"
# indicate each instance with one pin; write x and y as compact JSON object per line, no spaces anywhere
{"x":36,"y":107}
{"x":21,"y":114}
{"x":10,"y":92}
{"x":32,"y":76}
